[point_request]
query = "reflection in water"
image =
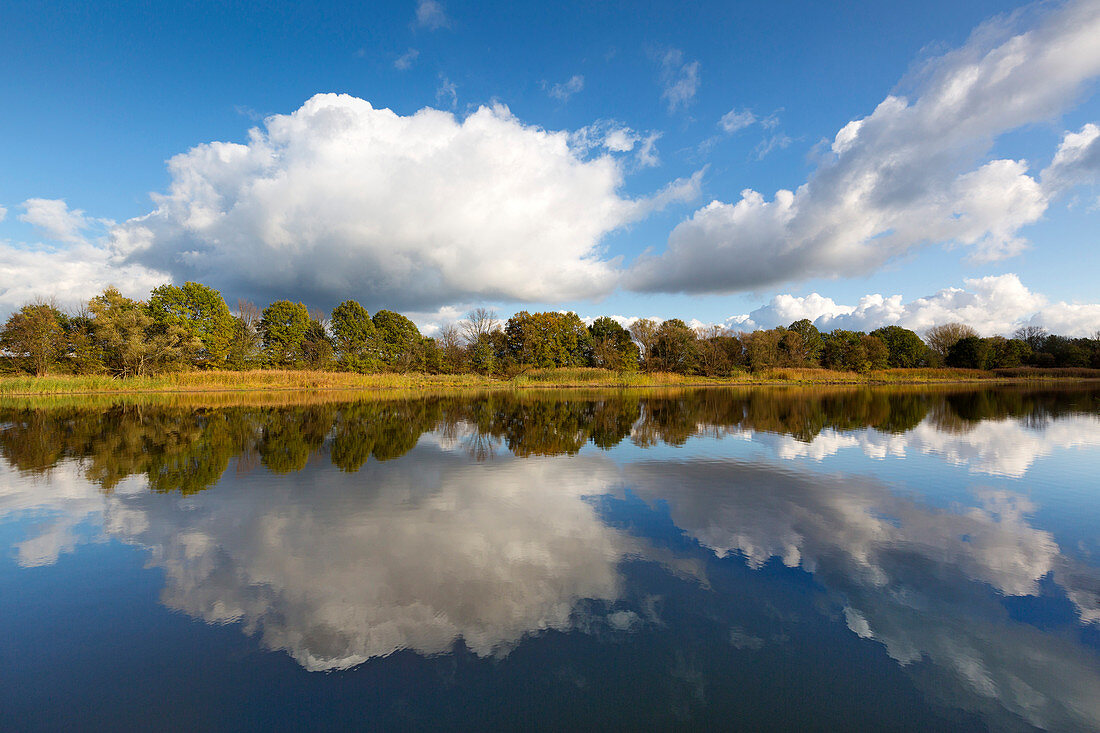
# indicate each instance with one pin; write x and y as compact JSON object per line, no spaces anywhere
{"x":491,"y":528}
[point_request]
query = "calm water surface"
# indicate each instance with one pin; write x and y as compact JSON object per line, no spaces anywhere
{"x":779,"y":558}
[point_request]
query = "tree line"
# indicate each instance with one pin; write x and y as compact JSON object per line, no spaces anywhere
{"x":191,"y":326}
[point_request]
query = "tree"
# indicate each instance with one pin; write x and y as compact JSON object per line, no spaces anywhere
{"x":397,"y":339}
{"x":36,"y":332}
{"x":877,"y":353}
{"x":644,"y":331}
{"x":282,"y":327}
{"x":354,"y":336}
{"x":854,"y":351}
{"x":940,"y":339}
{"x":712,"y":350}
{"x":802,"y":343}
{"x":316,"y":345}
{"x":1007,"y":353}
{"x":612,"y":346}
{"x":906,"y":350}
{"x":1033,"y":336}
{"x":451,"y":353}
{"x":762,"y":348}
{"x":479,"y":322}
{"x":485,"y":354}
{"x":201,"y":313}
{"x":969,"y":352}
{"x":674,"y":347}
{"x":548,"y":339}
{"x":130,"y":342}
{"x":245,"y":347}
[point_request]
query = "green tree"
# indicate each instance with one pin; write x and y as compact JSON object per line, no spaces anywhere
{"x":316,"y":346}
{"x":130,"y":344}
{"x":1007,"y":353}
{"x":854,"y":351}
{"x":282,"y":328}
{"x":906,"y":350}
{"x":36,"y":332}
{"x":548,"y":339}
{"x":200,"y":311}
{"x":612,"y":346}
{"x":969,"y":352}
{"x":354,"y":336}
{"x":397,"y":340}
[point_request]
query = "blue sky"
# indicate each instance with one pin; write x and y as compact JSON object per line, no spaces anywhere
{"x":552,"y":198}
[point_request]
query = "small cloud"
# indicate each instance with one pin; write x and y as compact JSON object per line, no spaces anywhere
{"x":446,"y":91}
{"x":55,"y":220}
{"x":360,"y":52}
{"x":562,"y":92}
{"x":679,"y":79}
{"x":647,"y":151}
{"x":771,"y":121}
{"x":736,"y":119}
{"x":246,"y":111}
{"x":430,"y":15}
{"x":616,"y":137}
{"x":405,"y":60}
{"x":767,"y":145}
{"x":3,"y":213}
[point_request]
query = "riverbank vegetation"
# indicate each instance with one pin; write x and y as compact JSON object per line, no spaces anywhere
{"x":187,"y":338}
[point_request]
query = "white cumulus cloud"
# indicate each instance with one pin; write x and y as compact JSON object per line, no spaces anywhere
{"x":997,"y":304}
{"x":340,"y":199}
{"x":913,"y":172}
{"x":55,"y":220}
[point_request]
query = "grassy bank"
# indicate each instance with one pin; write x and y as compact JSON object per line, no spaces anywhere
{"x":285,"y":380}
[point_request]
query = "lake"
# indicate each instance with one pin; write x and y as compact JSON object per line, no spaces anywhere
{"x":909,"y":558}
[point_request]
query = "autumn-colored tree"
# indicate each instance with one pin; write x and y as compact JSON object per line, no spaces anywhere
{"x":36,"y":334}
{"x":801,"y":344}
{"x":644,"y":331}
{"x":940,"y":339}
{"x":675,"y":347}
{"x":131,"y":342}
{"x":548,"y":339}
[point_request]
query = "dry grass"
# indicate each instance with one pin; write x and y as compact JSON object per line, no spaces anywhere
{"x":254,"y":380}
{"x":273,"y":380}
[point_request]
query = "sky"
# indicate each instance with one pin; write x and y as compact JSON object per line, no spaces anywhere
{"x":734,"y":163}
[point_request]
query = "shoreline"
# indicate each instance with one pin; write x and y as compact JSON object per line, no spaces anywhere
{"x":547,"y":379}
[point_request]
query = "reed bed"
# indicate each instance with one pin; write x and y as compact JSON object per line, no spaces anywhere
{"x":275,"y":380}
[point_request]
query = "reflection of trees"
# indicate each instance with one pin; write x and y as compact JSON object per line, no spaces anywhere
{"x":187,"y":449}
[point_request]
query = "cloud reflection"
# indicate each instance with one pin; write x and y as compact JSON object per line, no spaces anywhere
{"x":913,"y":577}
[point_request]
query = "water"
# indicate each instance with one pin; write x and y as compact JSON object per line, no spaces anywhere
{"x":908,"y":558}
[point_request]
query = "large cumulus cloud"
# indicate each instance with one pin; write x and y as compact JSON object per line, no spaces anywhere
{"x":341,"y":199}
{"x":912,"y":172}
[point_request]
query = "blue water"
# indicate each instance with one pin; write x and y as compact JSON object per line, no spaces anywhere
{"x":857,"y":559}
